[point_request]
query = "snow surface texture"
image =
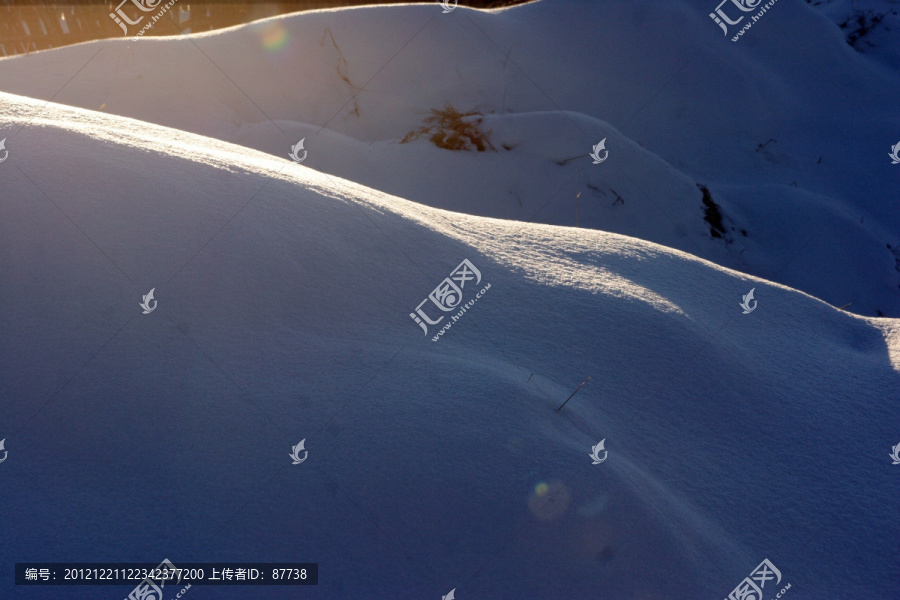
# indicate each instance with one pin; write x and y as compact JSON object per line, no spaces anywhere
{"x":786,"y":128}
{"x":284,"y":298}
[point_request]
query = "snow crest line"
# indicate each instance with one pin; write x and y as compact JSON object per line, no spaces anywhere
{"x":455,"y":318}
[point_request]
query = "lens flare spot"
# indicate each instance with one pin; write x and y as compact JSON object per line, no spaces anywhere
{"x":549,"y":500}
{"x":594,"y":507}
{"x":275,"y":37}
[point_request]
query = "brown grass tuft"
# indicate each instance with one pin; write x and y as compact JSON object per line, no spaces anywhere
{"x":452,"y":130}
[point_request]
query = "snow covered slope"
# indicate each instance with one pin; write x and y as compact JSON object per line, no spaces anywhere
{"x":870,"y":27}
{"x":788,"y":129}
{"x":283,"y":314}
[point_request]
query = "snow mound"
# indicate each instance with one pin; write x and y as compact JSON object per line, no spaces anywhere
{"x":284,"y":299}
{"x":793,"y":161}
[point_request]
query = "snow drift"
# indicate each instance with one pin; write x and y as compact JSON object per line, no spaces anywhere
{"x":283,"y":313}
{"x":788,"y":130}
